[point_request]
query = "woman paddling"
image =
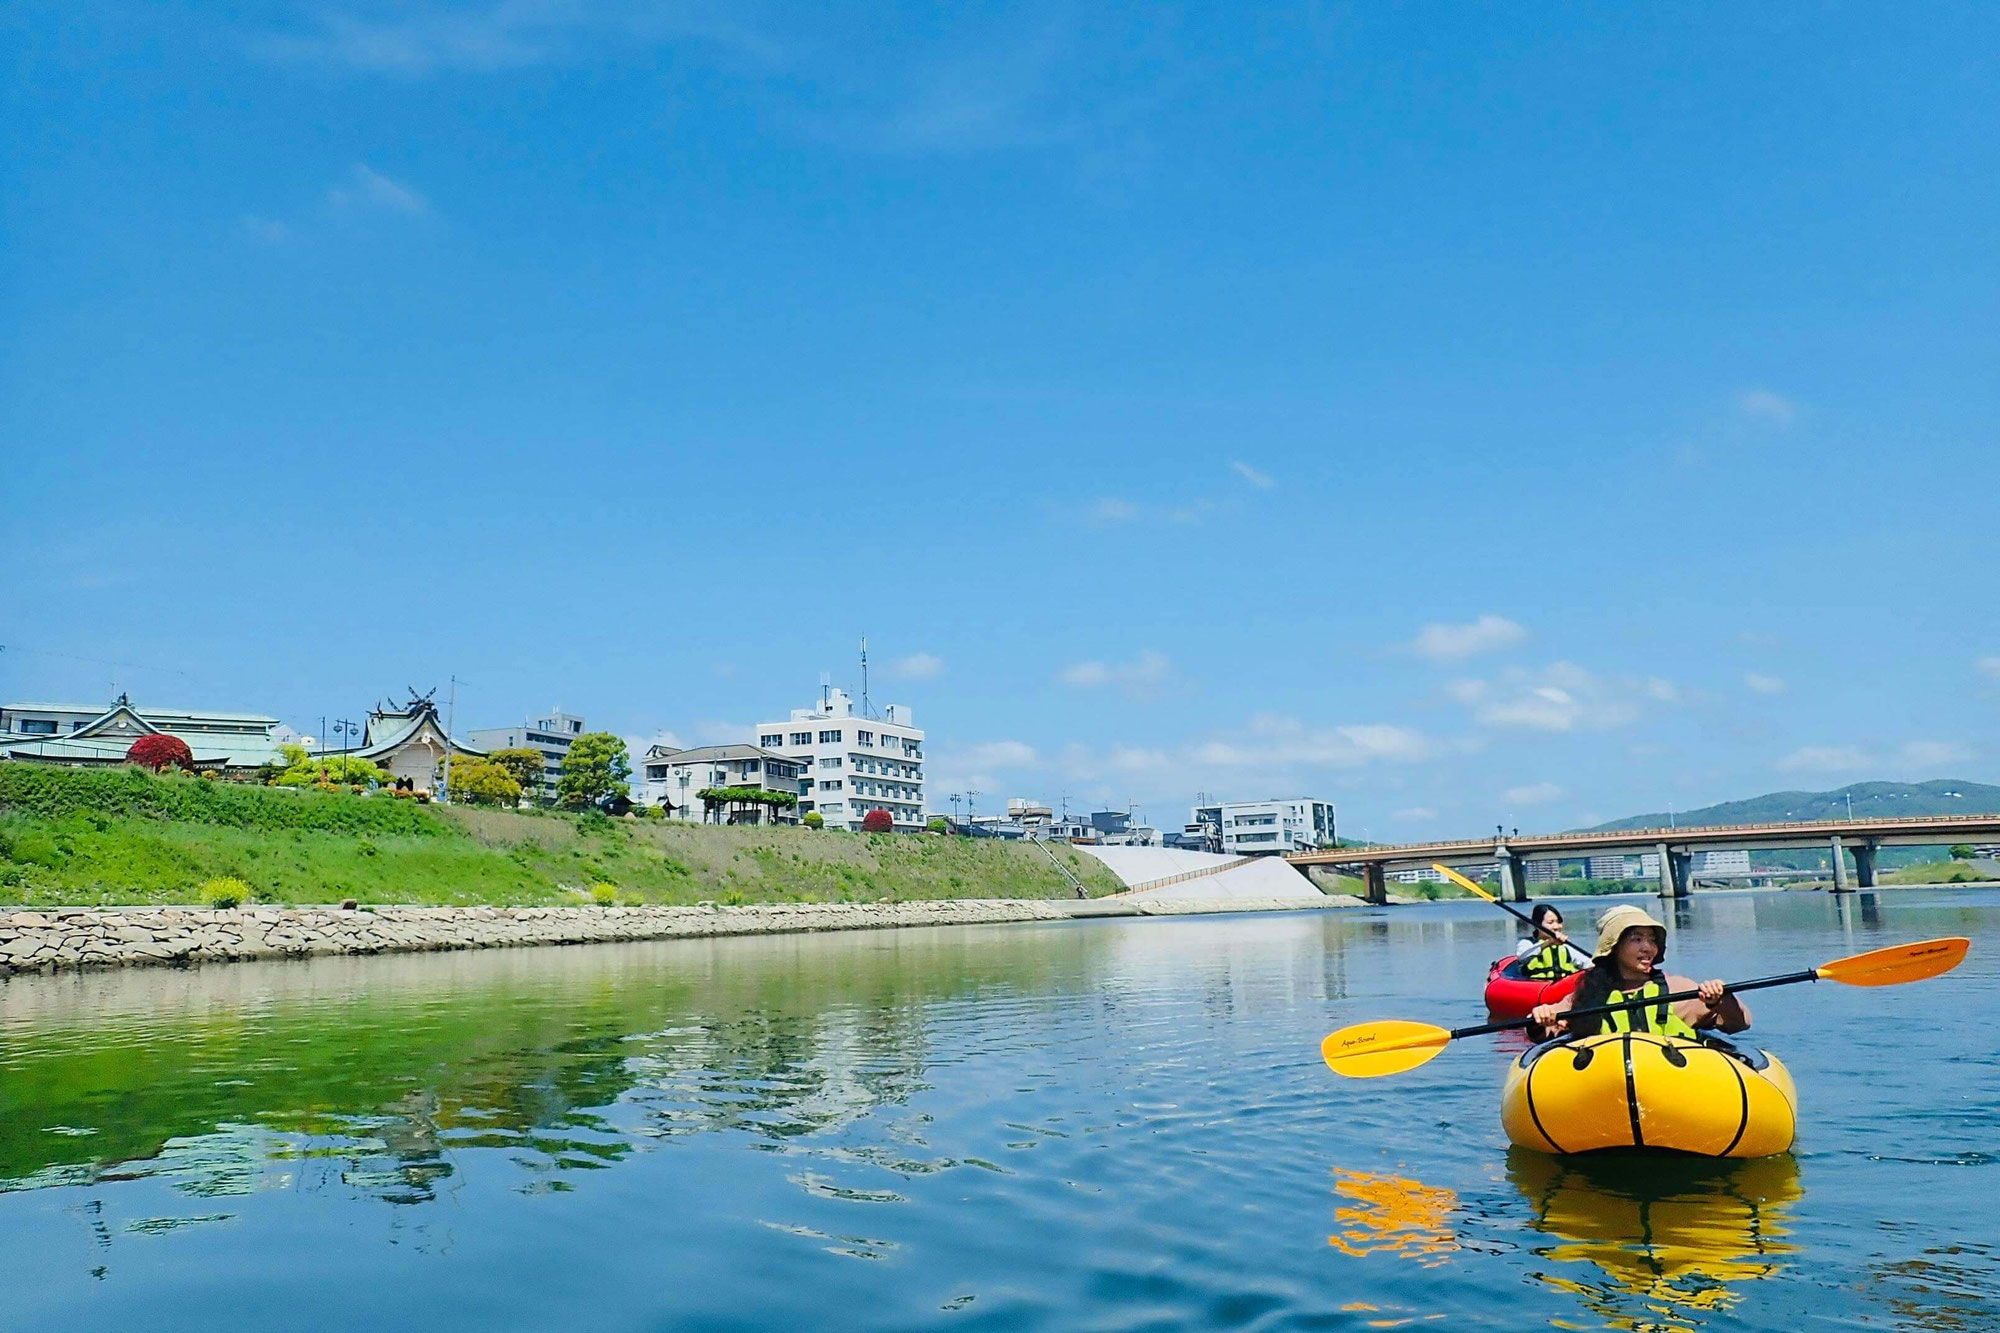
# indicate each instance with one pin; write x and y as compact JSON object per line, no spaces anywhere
{"x":1626,"y":966}
{"x":1546,"y":954}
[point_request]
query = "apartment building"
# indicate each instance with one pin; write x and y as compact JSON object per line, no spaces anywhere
{"x":854,"y":763}
{"x":674,"y":780}
{"x":550,"y":735}
{"x":1251,"y":828}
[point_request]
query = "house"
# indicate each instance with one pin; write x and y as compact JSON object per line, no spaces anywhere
{"x":674,"y":780}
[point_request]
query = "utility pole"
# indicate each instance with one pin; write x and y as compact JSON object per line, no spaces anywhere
{"x":450,"y":720}
{"x":969,"y":795}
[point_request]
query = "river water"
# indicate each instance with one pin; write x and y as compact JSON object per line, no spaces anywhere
{"x":1114,"y":1124}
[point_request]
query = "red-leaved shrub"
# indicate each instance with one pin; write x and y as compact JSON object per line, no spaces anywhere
{"x":877,"y":821}
{"x":161,"y":752}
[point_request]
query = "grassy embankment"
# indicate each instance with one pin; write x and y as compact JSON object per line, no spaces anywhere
{"x":123,"y":836}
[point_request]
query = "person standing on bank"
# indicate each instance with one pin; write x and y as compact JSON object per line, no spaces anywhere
{"x":1626,"y":966}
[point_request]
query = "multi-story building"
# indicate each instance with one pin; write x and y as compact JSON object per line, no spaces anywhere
{"x":1252,"y":828}
{"x":674,"y":780}
{"x":1732,"y":863}
{"x":550,"y":735}
{"x":855,"y":763}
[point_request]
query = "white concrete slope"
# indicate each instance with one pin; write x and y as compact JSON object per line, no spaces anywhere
{"x":1264,"y":878}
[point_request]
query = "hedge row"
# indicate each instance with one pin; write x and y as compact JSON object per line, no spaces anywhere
{"x":51,"y":791}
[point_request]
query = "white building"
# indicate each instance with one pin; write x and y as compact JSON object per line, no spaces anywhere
{"x":675,"y":779}
{"x":1251,"y":828}
{"x":1720,"y":863}
{"x":854,"y":763}
{"x":550,"y":735}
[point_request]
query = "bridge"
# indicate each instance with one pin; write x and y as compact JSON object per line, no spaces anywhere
{"x":1675,"y":848}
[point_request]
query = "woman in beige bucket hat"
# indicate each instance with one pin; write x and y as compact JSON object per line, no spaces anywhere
{"x":1626,"y":966}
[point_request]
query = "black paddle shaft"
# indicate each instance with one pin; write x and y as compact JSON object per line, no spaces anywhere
{"x":1762,"y":983}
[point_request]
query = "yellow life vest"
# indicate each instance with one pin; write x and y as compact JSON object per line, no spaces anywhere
{"x":1549,"y":962}
{"x":1658,"y":1019}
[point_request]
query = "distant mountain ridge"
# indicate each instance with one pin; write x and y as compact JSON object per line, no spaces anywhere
{"x":1944,"y":796}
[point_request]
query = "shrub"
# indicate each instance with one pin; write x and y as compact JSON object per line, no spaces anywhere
{"x":937,"y":825}
{"x":483,"y":782}
{"x":161,"y":752}
{"x":814,"y":819}
{"x":878,"y":821}
{"x":225,"y":891}
{"x":1961,"y":851}
{"x":604,"y":895}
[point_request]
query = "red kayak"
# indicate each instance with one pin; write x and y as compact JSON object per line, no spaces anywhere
{"x":1510,"y":994}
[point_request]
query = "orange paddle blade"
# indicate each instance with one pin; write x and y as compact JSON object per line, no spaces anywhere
{"x":1463,"y":882}
{"x":1899,"y":963}
{"x":1388,"y":1046}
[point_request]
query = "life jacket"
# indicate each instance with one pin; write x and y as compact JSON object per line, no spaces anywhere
{"x":1549,"y":962}
{"x":1659,"y":1019}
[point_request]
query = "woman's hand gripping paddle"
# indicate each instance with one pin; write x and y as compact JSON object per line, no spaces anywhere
{"x":1393,"y":1045}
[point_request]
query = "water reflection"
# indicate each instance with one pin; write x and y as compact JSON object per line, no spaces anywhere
{"x":1386,"y":1214}
{"x":1671,"y":1240}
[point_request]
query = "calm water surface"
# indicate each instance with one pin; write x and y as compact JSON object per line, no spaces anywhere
{"x":1097,"y":1125}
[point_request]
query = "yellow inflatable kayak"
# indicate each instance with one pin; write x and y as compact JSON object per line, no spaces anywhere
{"x":1636,"y":1090}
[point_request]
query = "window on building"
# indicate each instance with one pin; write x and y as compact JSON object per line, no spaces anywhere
{"x":37,"y":727}
{"x":864,"y":738}
{"x":829,"y":738}
{"x":802,"y":738}
{"x":656,"y":773}
{"x":833,"y":784}
{"x":771,"y":742}
{"x":830,"y":763}
{"x":750,"y":766}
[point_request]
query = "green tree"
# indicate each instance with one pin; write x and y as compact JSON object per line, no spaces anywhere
{"x":523,"y":765}
{"x":302,"y":769}
{"x":483,"y":782}
{"x":937,"y":824}
{"x":596,"y":766}
{"x":1961,"y":852}
{"x":814,"y":819}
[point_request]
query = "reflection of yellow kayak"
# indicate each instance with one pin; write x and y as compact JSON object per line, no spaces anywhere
{"x":1637,"y":1090}
{"x":1667,"y":1241}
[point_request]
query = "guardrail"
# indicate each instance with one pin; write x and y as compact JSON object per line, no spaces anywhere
{"x":1186,"y":875}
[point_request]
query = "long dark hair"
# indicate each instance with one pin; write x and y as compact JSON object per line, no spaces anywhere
{"x":1538,"y":918}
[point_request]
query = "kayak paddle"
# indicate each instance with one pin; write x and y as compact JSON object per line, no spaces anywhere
{"x":1465,"y":883}
{"x":1392,"y":1045}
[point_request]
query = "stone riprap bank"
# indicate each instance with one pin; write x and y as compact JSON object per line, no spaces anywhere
{"x":62,"y":939}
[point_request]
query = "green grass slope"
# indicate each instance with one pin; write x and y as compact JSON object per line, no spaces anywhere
{"x":79,"y":836}
{"x":1945,"y":796}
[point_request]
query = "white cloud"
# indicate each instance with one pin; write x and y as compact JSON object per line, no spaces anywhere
{"x":1113,"y":510}
{"x":1989,"y":666}
{"x":917,"y":666}
{"x":999,"y":754}
{"x":1270,"y":741}
{"x":1262,"y":481}
{"x":1560,"y":697}
{"x":268,"y":230}
{"x":369,"y":188}
{"x":1763,"y":405}
{"x":1414,"y":814}
{"x":638,"y":746}
{"x":1826,"y":759}
{"x":1147,"y":670}
{"x":1442,"y":642}
{"x":1763,"y":684}
{"x":1536,"y":793}
{"x":1932,"y":754}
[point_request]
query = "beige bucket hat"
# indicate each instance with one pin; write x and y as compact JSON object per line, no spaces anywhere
{"x":1615,"y":921}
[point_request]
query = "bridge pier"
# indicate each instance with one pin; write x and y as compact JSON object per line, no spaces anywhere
{"x":1673,"y":871}
{"x":1840,"y":884}
{"x":1378,"y":884}
{"x":1864,"y":863}
{"x":1513,"y":877}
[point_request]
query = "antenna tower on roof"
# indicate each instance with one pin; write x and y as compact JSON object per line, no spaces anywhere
{"x":865,"y":710}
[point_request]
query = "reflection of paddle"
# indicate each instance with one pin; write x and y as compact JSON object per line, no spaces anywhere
{"x":1465,"y":883}
{"x":1392,"y":1045}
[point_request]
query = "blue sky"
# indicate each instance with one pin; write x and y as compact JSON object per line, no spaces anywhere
{"x":1472,"y":415}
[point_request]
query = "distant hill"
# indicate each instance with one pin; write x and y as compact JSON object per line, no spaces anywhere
{"x":1945,"y":796}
